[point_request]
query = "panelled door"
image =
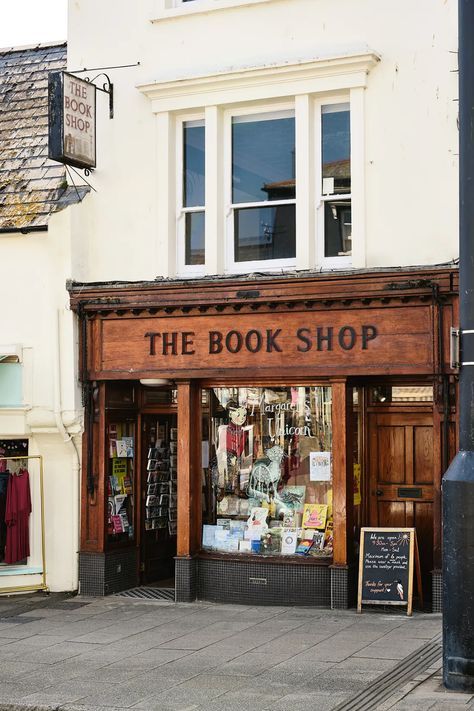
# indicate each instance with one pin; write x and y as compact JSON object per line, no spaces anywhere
{"x":401,"y":475}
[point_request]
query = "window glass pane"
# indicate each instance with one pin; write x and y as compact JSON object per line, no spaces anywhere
{"x":120,"y":481}
{"x":336,"y":149}
{"x":337,"y":228}
{"x":263,"y":157}
{"x":193,"y":164}
{"x":384,"y":394}
{"x":194,"y":238}
{"x":264,"y":233}
{"x":10,"y":385}
{"x":9,"y":554}
{"x":268,"y":473}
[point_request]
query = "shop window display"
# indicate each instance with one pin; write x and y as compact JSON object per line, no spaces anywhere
{"x":268,"y":473}
{"x":120,"y":481}
{"x":15,"y":503}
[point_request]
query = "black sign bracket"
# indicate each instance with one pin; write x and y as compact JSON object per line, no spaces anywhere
{"x":107,"y":87}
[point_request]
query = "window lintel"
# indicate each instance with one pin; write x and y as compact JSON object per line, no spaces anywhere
{"x":314,"y":75}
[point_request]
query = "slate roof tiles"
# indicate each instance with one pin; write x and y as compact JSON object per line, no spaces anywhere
{"x":31,"y":186}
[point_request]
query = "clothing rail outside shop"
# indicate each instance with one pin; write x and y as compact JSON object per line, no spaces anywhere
{"x":43,"y":585}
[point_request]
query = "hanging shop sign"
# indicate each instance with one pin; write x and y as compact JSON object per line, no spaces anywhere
{"x":354,"y":341}
{"x":72,"y":120}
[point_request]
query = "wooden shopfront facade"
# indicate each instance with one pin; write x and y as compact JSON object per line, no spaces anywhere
{"x":229,"y":421}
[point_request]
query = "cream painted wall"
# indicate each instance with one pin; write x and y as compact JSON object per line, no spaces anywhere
{"x":34,"y":272}
{"x":410,"y":156}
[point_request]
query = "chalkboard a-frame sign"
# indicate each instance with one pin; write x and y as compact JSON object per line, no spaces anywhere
{"x":386,"y":564}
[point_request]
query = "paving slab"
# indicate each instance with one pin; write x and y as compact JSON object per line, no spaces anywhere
{"x":116,"y":653}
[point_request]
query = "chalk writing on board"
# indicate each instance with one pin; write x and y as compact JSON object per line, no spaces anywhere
{"x":385,"y":566}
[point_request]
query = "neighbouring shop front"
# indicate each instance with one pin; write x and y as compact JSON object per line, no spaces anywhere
{"x":239,"y":432}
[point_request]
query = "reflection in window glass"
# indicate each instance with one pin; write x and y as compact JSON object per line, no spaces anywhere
{"x":268,"y":471}
{"x":336,"y":149}
{"x":264,"y":233}
{"x":193,"y":164}
{"x":401,"y":393}
{"x":338,"y":228}
{"x":194,"y":238}
{"x":263,"y":157}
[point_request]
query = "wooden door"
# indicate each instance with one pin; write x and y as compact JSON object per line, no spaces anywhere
{"x":401,"y":476}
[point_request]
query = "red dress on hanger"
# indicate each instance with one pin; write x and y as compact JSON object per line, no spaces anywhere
{"x":17,"y":515}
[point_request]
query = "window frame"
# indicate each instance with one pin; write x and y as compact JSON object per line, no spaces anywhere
{"x":184,"y":269}
{"x":340,"y":262}
{"x":302,"y":83}
{"x":268,"y":265}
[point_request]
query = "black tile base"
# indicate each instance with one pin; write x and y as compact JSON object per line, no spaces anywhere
{"x":437,"y":591}
{"x":185,"y":579}
{"x":106,"y":573}
{"x":341,"y":589}
{"x":249,"y":582}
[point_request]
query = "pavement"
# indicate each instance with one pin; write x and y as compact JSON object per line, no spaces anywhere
{"x":106,"y":654}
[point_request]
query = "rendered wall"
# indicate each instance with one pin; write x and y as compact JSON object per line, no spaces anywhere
{"x":36,"y":316}
{"x":410,"y":161}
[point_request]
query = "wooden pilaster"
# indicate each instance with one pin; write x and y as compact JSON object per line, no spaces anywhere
{"x":189,"y":470}
{"x":343,"y":485}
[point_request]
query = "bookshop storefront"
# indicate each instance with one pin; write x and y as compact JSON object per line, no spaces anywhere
{"x":239,"y":432}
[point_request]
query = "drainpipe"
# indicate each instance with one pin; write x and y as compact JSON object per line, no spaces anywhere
{"x":68,"y":439}
{"x":458,"y":482}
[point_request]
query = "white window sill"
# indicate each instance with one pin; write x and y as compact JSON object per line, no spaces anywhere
{"x":199,"y":7}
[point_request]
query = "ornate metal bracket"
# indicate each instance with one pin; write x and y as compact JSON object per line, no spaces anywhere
{"x":107,"y":87}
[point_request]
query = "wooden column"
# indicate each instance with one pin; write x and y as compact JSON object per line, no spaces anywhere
{"x":342,"y":472}
{"x":438,"y":426}
{"x":189,"y":468}
{"x":93,"y":532}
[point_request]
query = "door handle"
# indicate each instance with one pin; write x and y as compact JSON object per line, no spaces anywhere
{"x":379,"y":492}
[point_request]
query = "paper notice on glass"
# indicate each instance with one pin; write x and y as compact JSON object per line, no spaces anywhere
{"x":320,"y":466}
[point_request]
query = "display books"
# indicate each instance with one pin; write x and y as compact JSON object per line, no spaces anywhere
{"x":271,"y":541}
{"x":128,"y":442}
{"x":289,"y":541}
{"x":318,"y":541}
{"x":124,"y":517}
{"x":328,"y":536}
{"x":208,"y":536}
{"x":304,"y":546}
{"x":291,"y":498}
{"x":117,"y":524}
{"x":121,"y":447}
{"x":258,"y":517}
{"x":119,"y":502}
{"x":315,"y":515}
{"x":221,"y":537}
{"x":110,"y":507}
